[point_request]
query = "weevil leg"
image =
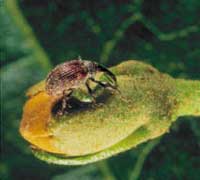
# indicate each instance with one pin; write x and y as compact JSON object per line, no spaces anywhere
{"x":90,"y":92}
{"x":94,"y":103}
{"x":66,"y":96}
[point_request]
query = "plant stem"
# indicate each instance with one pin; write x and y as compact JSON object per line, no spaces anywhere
{"x":141,"y":159}
{"x":105,"y":170}
{"x":188,"y":97}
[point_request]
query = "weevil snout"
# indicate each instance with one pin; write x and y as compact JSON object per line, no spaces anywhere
{"x":109,"y":74}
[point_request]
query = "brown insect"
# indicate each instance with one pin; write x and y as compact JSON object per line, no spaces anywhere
{"x":68,"y":76}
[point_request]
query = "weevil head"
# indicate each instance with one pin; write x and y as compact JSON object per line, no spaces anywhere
{"x":92,"y":67}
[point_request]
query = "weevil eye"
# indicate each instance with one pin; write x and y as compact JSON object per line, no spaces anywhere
{"x":91,"y":66}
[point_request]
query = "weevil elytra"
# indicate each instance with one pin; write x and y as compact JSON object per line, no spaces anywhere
{"x":70,"y":75}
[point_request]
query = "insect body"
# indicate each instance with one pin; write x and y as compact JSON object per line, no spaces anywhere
{"x":66,"y":77}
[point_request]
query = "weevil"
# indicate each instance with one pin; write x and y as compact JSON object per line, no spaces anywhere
{"x":70,"y":75}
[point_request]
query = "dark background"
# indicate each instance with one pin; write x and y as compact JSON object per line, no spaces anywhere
{"x":164,"y":33}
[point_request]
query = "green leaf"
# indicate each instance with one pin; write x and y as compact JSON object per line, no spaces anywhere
{"x":25,"y":63}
